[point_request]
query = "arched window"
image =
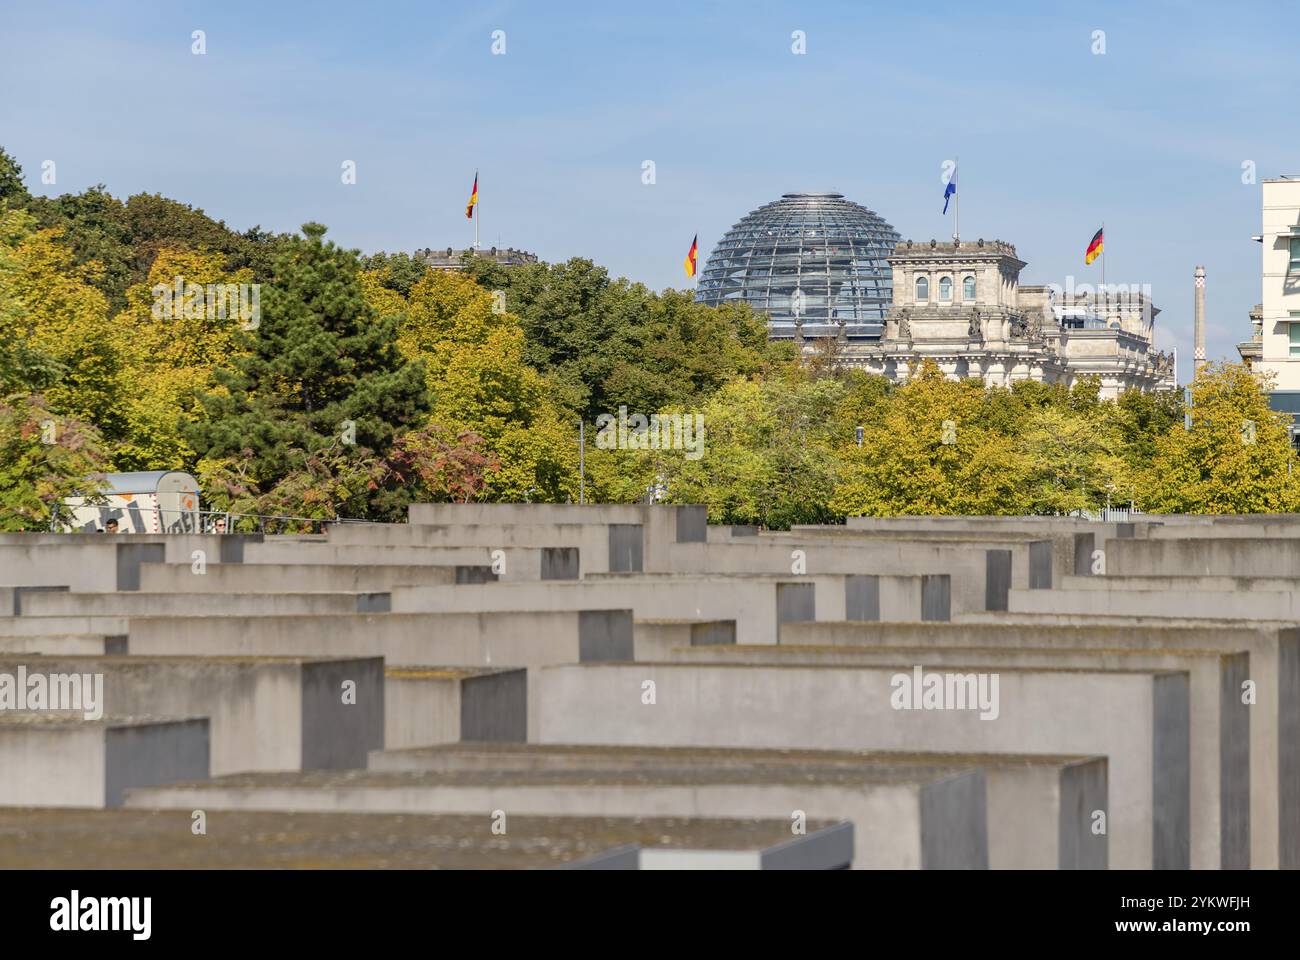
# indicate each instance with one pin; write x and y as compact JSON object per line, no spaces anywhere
{"x":922,"y":288}
{"x":945,"y":288}
{"x":968,"y":288}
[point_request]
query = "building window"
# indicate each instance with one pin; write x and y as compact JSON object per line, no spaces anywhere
{"x":922,"y":288}
{"x":1295,"y":339}
{"x":1294,"y":268}
{"x":968,"y":288}
{"x":945,"y":288}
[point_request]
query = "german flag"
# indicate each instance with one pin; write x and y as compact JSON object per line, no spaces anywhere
{"x":689,"y":262}
{"x":1094,"y":247}
{"x":473,"y":199}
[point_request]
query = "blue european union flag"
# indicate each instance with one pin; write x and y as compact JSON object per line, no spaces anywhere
{"x":951,"y":189}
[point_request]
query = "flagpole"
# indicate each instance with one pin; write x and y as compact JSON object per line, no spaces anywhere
{"x":1106,"y":299}
{"x":956,"y":205}
{"x":479,"y":206}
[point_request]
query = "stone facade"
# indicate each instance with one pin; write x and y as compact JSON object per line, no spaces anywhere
{"x":451,"y":259}
{"x":961,"y":305}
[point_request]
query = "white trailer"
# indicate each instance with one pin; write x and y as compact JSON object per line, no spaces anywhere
{"x":156,"y":501}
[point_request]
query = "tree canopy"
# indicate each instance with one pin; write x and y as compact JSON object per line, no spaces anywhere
{"x":361,"y":384}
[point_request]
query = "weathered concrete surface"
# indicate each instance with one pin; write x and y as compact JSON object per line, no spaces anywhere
{"x":505,"y":639}
{"x":234,"y":579}
{"x":905,"y":816}
{"x":1207,"y":604}
{"x":65,"y":644}
{"x":162,"y":840}
{"x":1138,"y":720}
{"x":55,"y":626}
{"x":79,"y":564}
{"x":429,"y":705}
{"x":265,"y":713}
{"x":654,"y":527}
{"x":758,"y":604}
{"x":514,"y":563}
{"x":197,"y":604}
{"x":1211,"y":556}
{"x":964,"y":562}
{"x":653,"y":638}
{"x":64,"y":760}
{"x":592,"y":541}
{"x":1219,"y":721}
{"x":1034,"y":802}
{"x":1275,"y":676}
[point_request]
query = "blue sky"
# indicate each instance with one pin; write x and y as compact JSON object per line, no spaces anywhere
{"x":1149,"y":137}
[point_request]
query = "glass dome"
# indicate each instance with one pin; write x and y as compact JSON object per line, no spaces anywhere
{"x":812,"y":255}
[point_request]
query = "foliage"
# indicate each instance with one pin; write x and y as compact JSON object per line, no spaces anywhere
{"x":470,"y":385}
{"x":1236,"y":458}
{"x":318,"y":361}
{"x":43,"y":458}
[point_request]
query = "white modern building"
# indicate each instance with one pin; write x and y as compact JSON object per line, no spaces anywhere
{"x":1277,"y":349}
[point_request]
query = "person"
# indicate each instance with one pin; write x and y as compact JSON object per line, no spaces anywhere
{"x":220,"y":525}
{"x":110,"y":525}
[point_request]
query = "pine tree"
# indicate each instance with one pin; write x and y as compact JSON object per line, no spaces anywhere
{"x":317,"y":359}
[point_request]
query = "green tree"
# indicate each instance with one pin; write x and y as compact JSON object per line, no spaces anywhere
{"x":608,"y":343}
{"x":929,"y":452}
{"x":12,"y":189}
{"x":1073,"y":459}
{"x":766,"y":457}
{"x":318,"y":361}
{"x":66,"y":345}
{"x":1236,"y":458}
{"x":44,"y":457}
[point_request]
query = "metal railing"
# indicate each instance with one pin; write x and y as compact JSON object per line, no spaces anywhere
{"x":197,"y":521}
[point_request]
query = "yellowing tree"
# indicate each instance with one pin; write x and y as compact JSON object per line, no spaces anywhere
{"x":1236,"y":458}
{"x":928,"y":452}
{"x":172,"y":346}
{"x":53,"y":311}
{"x":480,"y":383}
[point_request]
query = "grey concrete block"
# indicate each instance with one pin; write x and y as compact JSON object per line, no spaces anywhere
{"x":494,"y":706}
{"x":936,"y":597}
{"x":828,"y":849}
{"x":692,"y":524}
{"x":147,"y":754}
{"x":1081,"y":842}
{"x":997,"y":579}
{"x":1288,"y":748}
{"x":560,"y":563}
{"x":231,"y":549}
{"x":1172,"y":773}
{"x":60,"y":760}
{"x":626,"y":548}
{"x":604,"y":635}
{"x":861,"y":597}
{"x":342,"y":712}
{"x":1084,"y":544}
{"x":374,"y":603}
{"x":795,"y":602}
{"x":1234,"y":764}
{"x":954,"y":824}
{"x":11,"y":598}
{"x":713,"y":632}
{"x":1040,"y":565}
{"x":129,"y":558}
{"x":475,"y":574}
